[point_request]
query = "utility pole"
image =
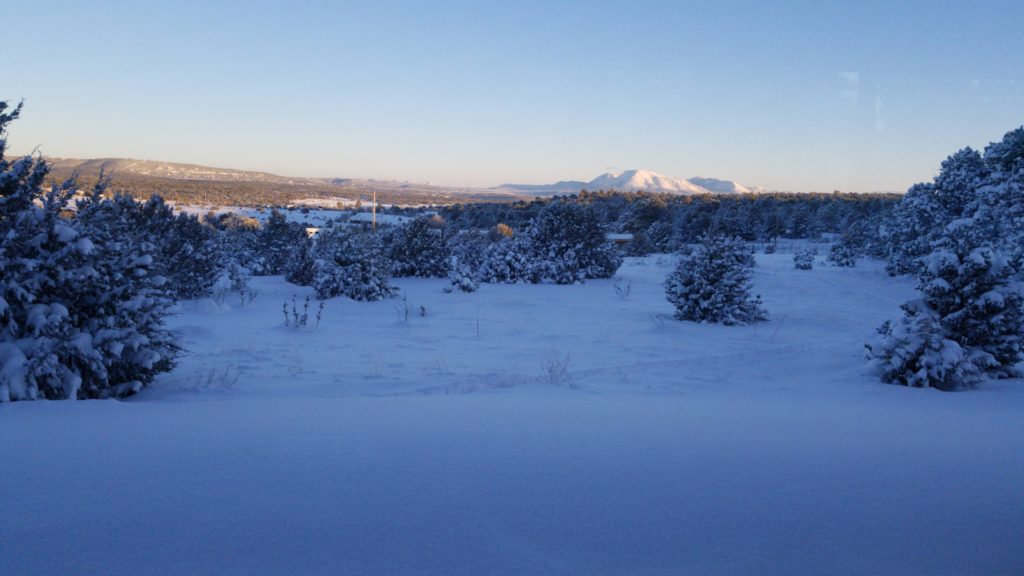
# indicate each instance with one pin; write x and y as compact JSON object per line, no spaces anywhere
{"x":374,"y":211}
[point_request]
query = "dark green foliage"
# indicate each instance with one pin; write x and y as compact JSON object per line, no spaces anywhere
{"x":280,"y":242}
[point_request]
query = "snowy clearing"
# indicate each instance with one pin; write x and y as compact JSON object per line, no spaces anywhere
{"x":525,"y":429}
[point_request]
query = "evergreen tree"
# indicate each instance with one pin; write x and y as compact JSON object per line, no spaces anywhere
{"x":842,"y":254}
{"x":302,"y":268}
{"x":968,"y":323}
{"x":712,"y":283}
{"x":190,"y":258}
{"x":917,"y":352}
{"x":81,"y":311}
{"x":280,"y":242}
{"x":508,"y":261}
{"x":567,"y":241}
{"x":352,"y":265}
{"x":461,"y":277}
{"x":418,"y":249}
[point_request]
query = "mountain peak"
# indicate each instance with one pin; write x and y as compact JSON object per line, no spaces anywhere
{"x":636,"y":180}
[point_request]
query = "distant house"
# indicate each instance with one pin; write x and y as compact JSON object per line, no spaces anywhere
{"x":619,"y":240}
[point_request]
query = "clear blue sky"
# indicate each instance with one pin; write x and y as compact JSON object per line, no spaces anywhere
{"x":801,"y":96}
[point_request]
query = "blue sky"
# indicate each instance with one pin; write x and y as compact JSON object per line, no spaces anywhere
{"x":799,"y":96}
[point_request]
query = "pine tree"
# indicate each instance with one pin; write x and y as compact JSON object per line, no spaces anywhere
{"x":842,"y":253}
{"x":461,"y":277}
{"x":302,"y":268}
{"x":569,"y":245}
{"x":418,"y":249}
{"x":352,"y":265}
{"x":280,"y":242}
{"x":190,"y":257}
{"x":712,"y":283}
{"x":508,"y":261}
{"x":81,"y":313}
{"x":916,"y":352}
{"x":968,"y":323}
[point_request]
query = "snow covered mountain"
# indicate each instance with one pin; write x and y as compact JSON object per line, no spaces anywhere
{"x":634,"y":180}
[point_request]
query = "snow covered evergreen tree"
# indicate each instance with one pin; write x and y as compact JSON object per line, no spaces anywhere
{"x":81,"y":312}
{"x":915,"y":351}
{"x":508,"y":261}
{"x":711,"y":283}
{"x":461,"y":277}
{"x":128,"y":342}
{"x":418,"y":249}
{"x":842,"y":254}
{"x":908,"y":230}
{"x":280,"y":242}
{"x":353,"y":265}
{"x":301,"y":269}
{"x":568,"y":242}
{"x":190,"y":257}
{"x":240,"y":244}
{"x":970,"y":308}
{"x":968,"y":323}
{"x":922,"y":215}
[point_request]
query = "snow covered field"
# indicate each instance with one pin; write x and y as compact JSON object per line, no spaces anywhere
{"x":453,"y":443}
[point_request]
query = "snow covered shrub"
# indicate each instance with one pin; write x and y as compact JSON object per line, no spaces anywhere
{"x":915,"y":352}
{"x":418,"y":249}
{"x":352,"y":265}
{"x":569,"y":245}
{"x":239,"y":241}
{"x":508,"y":261}
{"x":461,"y":277}
{"x":803,"y":258}
{"x":81,"y":310}
{"x":712,"y":283}
{"x":842,"y":254}
{"x":469,"y":246}
{"x":968,"y":323}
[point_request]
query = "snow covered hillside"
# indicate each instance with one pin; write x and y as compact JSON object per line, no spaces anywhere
{"x":524,"y":429}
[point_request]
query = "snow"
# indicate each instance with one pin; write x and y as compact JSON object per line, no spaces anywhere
{"x":647,"y":181}
{"x":633,"y":180}
{"x":314,"y":216}
{"x":385,"y":219}
{"x":441,"y":445}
